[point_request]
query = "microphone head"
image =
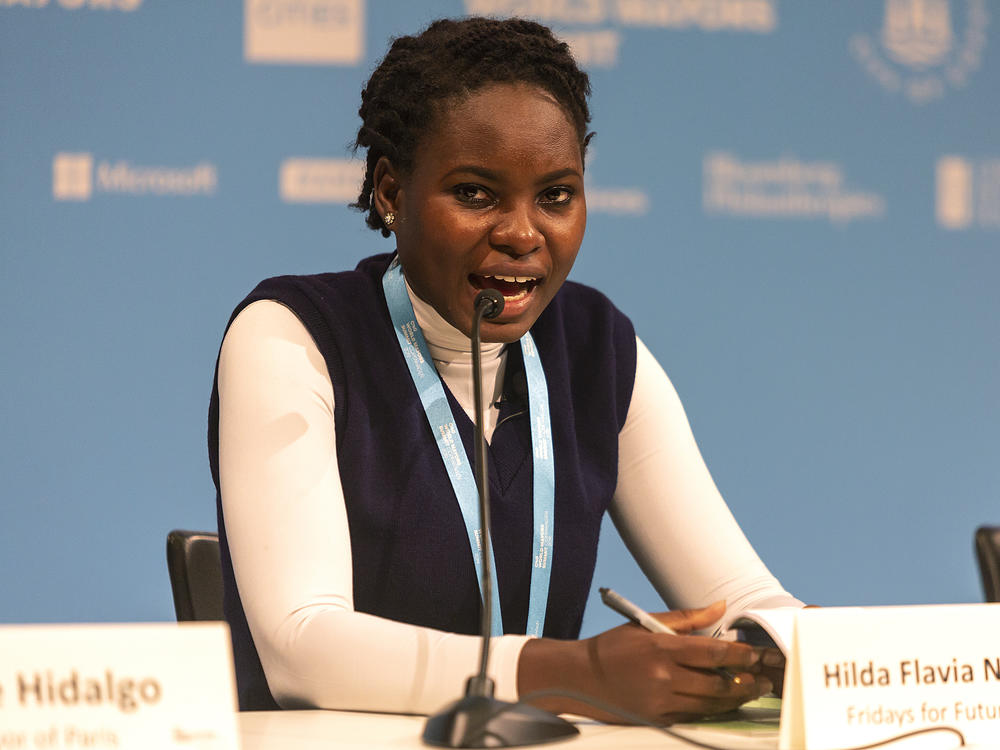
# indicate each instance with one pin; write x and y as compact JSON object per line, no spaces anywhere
{"x":491,"y":302}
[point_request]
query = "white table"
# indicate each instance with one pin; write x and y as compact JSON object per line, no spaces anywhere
{"x":336,"y":730}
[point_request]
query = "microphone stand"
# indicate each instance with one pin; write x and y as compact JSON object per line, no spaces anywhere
{"x":478,"y":719}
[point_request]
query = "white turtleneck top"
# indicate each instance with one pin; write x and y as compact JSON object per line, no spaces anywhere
{"x":288,"y":535}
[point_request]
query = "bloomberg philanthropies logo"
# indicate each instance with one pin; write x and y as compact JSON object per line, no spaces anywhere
{"x":76,"y":178}
{"x":783,"y":188}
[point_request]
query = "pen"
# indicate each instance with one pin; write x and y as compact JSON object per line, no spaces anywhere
{"x":641,"y":617}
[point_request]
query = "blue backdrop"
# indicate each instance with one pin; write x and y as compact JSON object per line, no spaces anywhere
{"x":798,"y":204}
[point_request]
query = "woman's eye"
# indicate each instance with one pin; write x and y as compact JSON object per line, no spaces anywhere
{"x":557,"y":196}
{"x":472,"y":194}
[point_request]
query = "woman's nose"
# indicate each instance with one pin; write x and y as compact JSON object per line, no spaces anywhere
{"x":516,"y":231}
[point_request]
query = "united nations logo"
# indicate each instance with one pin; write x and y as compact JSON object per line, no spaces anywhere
{"x":924,"y":47}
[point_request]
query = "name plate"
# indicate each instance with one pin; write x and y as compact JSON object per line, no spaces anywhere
{"x":859,"y":675}
{"x":104,"y":687}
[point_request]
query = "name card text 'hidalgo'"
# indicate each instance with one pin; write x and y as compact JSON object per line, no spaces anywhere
{"x":113,"y":687}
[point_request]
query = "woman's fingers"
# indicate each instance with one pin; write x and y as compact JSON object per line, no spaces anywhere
{"x":713,"y":697}
{"x":686,"y":620}
{"x":772,"y":657}
{"x":661,"y":676}
{"x":711,"y":653}
{"x":739,"y":687}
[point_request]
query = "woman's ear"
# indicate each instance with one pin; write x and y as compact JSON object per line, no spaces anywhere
{"x":385,"y":187}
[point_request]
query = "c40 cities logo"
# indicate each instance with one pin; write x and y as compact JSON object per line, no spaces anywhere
{"x":76,"y":177}
{"x":924,"y":47}
{"x":306,"y":179}
{"x":304,"y":32}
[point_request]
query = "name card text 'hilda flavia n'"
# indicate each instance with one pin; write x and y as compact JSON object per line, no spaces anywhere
{"x":113,"y":687}
{"x":857,"y":675}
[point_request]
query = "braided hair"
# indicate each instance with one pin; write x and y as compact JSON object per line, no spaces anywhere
{"x":450,"y":59}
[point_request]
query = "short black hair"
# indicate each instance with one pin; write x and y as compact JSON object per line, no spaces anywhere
{"x":452,"y":58}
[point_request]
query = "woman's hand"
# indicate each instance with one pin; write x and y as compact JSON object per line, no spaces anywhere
{"x":664,"y":678}
{"x":772,"y":666}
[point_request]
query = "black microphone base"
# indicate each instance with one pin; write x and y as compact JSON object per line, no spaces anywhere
{"x":479,"y":721}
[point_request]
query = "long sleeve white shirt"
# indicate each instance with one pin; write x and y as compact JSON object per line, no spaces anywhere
{"x":288,"y":533}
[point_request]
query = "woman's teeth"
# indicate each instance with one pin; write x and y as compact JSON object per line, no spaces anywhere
{"x":513,"y":288}
{"x":515,"y":279}
{"x":516,"y":295}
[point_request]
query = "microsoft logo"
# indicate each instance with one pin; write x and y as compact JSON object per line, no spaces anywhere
{"x":72,"y":176}
{"x":78,"y":176}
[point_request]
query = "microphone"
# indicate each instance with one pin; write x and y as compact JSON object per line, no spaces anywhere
{"x":490,"y":301}
{"x":515,"y":392}
{"x":479,"y":719}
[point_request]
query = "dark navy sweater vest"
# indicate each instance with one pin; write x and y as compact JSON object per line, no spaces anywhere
{"x":410,"y":551}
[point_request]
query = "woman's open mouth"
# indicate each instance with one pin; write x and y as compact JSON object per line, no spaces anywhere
{"x":513,"y":288}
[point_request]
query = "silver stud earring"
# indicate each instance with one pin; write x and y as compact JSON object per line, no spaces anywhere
{"x":389,"y":219}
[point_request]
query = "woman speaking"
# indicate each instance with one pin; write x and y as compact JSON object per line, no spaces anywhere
{"x":341,"y":426}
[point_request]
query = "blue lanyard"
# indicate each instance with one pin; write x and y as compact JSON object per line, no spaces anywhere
{"x":449,"y":442}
